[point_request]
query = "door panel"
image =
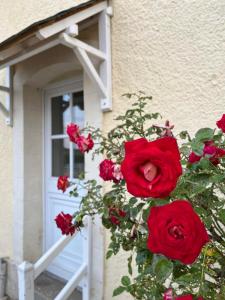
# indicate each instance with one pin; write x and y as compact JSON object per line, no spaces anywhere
{"x":62,"y":158}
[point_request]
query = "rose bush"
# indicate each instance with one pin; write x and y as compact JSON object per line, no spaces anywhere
{"x":177,"y":247}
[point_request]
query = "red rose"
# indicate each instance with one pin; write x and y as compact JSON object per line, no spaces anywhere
{"x":85,"y":144}
{"x":63,"y":183}
{"x":213,"y":152}
{"x":64,"y":222}
{"x":187,"y":297}
{"x":221,"y":123}
{"x":176,"y":231}
{"x":193,"y":158}
{"x":168,"y":295}
{"x":151,"y":169}
{"x":106,"y":168}
{"x":73,"y":132}
{"x":110,"y":171}
{"x":115,"y":215}
{"x":210,"y":151}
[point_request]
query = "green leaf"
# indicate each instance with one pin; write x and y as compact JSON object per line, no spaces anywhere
{"x":197,"y":147}
{"x":188,"y":278}
{"x":130,"y":265}
{"x":145,"y":214}
{"x":125,"y":280}
{"x":184,"y":134}
{"x":222,"y":215}
{"x":163,"y":269}
{"x":118,"y":291}
{"x":204,"y":134}
{"x":133,"y":201}
{"x":205,"y":164}
{"x":218,"y":178}
{"x":143,"y":256}
{"x":109,"y":254}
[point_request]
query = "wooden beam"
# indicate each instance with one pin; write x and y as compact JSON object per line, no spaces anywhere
{"x":106,"y":66}
{"x":4,"y":110}
{"x":59,"y":26}
{"x":73,"y":43}
{"x":37,"y":48}
{"x":90,"y":69}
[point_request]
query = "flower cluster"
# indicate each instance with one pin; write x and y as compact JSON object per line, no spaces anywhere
{"x":110,"y":171}
{"x":210,"y":151}
{"x":83,"y":143}
{"x":163,"y":205}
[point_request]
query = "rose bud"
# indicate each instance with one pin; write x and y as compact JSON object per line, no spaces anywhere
{"x":221,"y":123}
{"x":63,"y":183}
{"x":151,"y":169}
{"x":64,"y":222}
{"x":176,"y":231}
{"x":110,"y":171}
{"x":85,"y":144}
{"x":168,"y":295}
{"x":73,"y":132}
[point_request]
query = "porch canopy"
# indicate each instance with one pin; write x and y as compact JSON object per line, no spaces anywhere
{"x":63,"y":28}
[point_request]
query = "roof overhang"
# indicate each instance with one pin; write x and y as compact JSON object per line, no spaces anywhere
{"x":63,"y":29}
{"x":42,"y":32}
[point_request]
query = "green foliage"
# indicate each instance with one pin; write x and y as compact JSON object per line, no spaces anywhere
{"x":202,"y":183}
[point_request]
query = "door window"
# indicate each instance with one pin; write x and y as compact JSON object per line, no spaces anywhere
{"x":66,"y":158}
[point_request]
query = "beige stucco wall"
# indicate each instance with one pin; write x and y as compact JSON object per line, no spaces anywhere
{"x":173,"y":50}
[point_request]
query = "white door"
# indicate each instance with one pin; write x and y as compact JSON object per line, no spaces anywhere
{"x":63,"y":105}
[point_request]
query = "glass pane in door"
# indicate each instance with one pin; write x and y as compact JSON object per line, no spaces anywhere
{"x":78,"y":166}
{"x":60,"y":113}
{"x":78,"y":118}
{"x":60,"y":157}
{"x":78,"y":108}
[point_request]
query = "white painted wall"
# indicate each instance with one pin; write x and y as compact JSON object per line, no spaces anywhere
{"x":6,"y":193}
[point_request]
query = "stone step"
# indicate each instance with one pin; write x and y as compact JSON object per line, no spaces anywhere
{"x":47,"y":287}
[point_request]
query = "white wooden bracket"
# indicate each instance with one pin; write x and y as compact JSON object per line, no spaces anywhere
{"x":103,"y":78}
{"x":7,"y":109}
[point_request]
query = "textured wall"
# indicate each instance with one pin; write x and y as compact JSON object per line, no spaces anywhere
{"x":6,"y":220}
{"x":16,"y":15}
{"x":175,"y":51}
